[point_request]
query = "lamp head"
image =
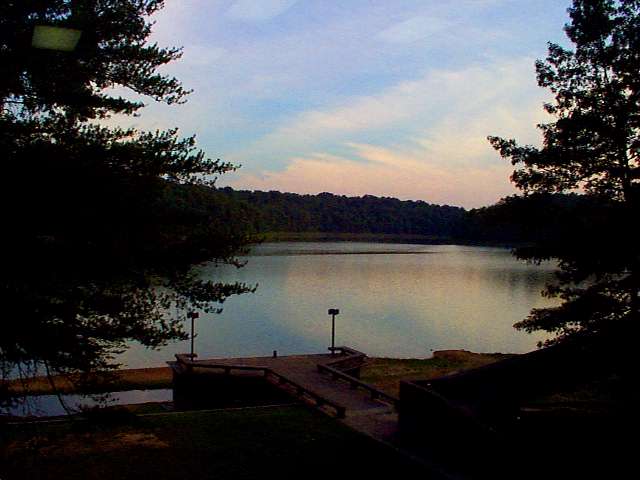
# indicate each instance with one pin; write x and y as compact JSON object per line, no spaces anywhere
{"x":49,"y":37}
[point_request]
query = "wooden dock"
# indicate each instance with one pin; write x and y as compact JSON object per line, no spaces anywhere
{"x":325,"y":381}
{"x":328,"y":382}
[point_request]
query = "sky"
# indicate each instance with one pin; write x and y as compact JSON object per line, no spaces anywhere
{"x":355,"y":97}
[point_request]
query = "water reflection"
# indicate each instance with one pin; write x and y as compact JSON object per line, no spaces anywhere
{"x":395,"y":300}
{"x":49,"y":405}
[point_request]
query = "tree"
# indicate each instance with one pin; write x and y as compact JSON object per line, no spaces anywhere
{"x":592,"y":146}
{"x":102,"y":224}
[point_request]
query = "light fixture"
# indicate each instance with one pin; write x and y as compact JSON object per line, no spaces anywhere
{"x":55,"y":38}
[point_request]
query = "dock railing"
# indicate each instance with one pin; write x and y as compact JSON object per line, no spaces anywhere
{"x":353,"y":359}
{"x":185,"y":361}
{"x":346,"y":362}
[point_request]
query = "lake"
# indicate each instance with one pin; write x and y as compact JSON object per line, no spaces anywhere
{"x":395,"y":300}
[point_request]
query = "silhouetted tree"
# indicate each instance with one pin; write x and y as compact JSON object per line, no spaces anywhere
{"x":593,"y":145}
{"x":101,"y":224}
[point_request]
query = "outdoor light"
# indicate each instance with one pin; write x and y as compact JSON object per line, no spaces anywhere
{"x":55,"y":38}
{"x":192,"y":316}
{"x":333,"y":312}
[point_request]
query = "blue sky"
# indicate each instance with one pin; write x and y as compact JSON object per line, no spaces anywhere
{"x":382,"y":97}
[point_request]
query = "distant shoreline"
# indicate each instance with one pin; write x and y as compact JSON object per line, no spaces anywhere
{"x":275,"y":237}
{"x":336,"y":252}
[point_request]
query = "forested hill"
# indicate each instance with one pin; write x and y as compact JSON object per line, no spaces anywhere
{"x":513,"y":220}
{"x":289,"y":212}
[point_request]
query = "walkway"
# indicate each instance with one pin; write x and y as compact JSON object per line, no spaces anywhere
{"x":326,"y":382}
{"x":331,"y":390}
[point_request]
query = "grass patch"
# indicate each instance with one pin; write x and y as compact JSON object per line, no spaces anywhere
{"x":278,"y":442}
{"x":386,"y":373}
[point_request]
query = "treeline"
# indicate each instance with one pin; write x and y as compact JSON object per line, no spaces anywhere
{"x":538,"y":218}
{"x":289,"y":212}
{"x":513,"y":220}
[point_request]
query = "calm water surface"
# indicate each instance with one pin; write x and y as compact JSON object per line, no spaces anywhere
{"x":49,"y":405}
{"x":395,"y":300}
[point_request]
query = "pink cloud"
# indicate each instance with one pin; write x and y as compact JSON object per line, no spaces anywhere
{"x":381,"y":172}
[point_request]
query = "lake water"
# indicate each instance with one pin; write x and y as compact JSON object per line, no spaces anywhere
{"x":49,"y":405}
{"x":395,"y":300}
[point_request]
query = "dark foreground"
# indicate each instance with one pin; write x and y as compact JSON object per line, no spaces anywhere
{"x":277,"y":442}
{"x":584,"y":430}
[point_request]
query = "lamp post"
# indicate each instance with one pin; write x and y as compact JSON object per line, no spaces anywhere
{"x":333,"y":312}
{"x":193,"y":316}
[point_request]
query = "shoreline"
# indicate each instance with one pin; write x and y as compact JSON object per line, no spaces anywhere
{"x":150,"y":378}
{"x":417,"y":239}
{"x":381,"y":372}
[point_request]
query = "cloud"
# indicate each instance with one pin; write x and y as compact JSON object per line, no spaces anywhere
{"x":440,"y":155}
{"x":442,"y":23}
{"x":384,"y":172}
{"x":258,"y":11}
{"x":424,"y":83}
{"x":414,"y":29}
{"x":198,"y":55}
{"x":438,"y":103}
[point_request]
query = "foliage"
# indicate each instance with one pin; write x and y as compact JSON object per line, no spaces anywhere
{"x":593,"y":145}
{"x":289,"y":212}
{"x":370,"y":218}
{"x":529,"y":220}
{"x":101,"y":223}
